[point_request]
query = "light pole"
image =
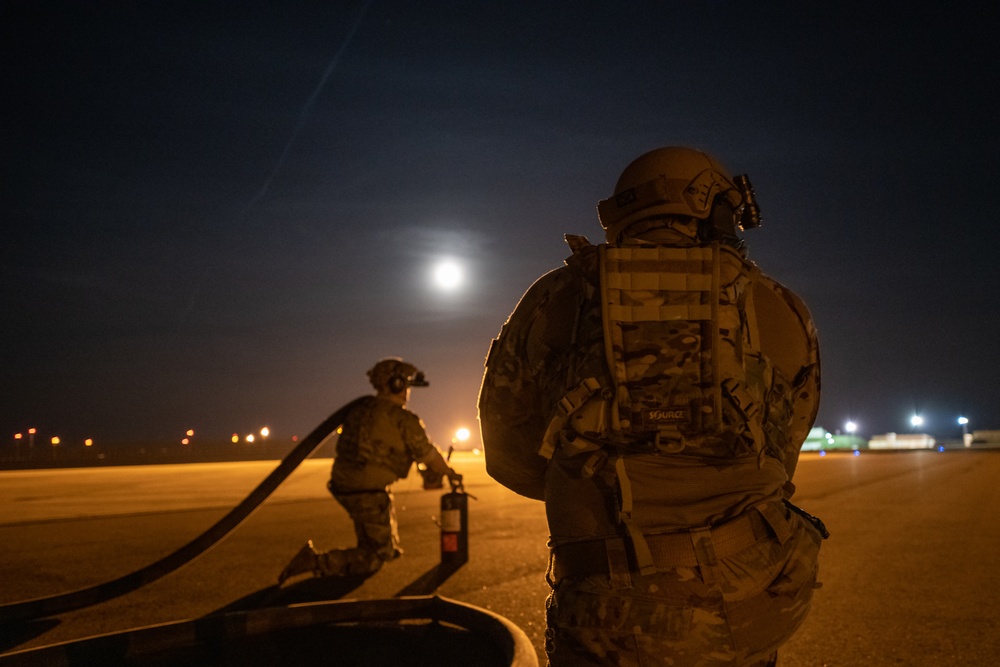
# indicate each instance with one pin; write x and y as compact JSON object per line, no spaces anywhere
{"x":966,"y":436}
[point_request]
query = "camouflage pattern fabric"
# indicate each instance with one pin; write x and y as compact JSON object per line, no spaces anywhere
{"x":736,"y":612}
{"x":691,"y":377}
{"x":379,"y":443}
{"x":374,"y":520}
{"x":672,"y":332}
{"x":526,"y":370}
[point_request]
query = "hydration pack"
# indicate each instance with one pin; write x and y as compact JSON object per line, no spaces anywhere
{"x":683,"y":370}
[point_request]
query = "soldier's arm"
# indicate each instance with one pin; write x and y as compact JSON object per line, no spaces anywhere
{"x":422,"y":449}
{"x":513,"y":407}
{"x":790,"y":341}
{"x":435,"y":463}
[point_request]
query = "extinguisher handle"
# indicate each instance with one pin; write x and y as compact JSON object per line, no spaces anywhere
{"x":458,"y":487}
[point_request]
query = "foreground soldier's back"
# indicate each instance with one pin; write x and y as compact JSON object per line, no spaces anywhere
{"x":655,"y":393}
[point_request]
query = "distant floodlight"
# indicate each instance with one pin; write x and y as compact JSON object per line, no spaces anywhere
{"x":462,"y":434}
{"x":916,"y":420}
{"x":963,"y":420}
{"x":850,"y":427}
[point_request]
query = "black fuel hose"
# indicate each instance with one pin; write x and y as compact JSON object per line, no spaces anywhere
{"x":85,"y":597}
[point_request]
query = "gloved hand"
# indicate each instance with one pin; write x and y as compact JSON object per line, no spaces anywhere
{"x":432,"y":480}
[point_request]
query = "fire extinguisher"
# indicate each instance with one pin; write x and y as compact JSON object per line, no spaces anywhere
{"x":455,"y":522}
{"x":455,"y":526}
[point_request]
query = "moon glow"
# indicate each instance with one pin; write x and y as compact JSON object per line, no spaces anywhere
{"x":448,"y":275}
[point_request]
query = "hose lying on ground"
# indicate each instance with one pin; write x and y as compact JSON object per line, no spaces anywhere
{"x":85,"y":597}
{"x":234,"y":637}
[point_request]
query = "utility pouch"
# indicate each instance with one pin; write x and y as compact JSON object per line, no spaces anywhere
{"x":815,"y":521}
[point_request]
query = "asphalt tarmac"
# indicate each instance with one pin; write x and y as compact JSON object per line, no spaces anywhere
{"x":910,"y":574}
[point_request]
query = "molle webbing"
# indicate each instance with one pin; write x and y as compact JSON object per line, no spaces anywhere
{"x":661,"y":319}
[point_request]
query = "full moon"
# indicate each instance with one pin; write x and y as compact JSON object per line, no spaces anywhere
{"x":447,"y":275}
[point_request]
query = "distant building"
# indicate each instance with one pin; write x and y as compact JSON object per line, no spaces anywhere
{"x":985,"y":438}
{"x":902,"y":441}
{"x":819,"y":439}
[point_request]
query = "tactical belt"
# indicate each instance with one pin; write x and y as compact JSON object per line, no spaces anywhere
{"x":670,"y":550}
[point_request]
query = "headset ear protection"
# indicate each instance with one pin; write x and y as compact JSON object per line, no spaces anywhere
{"x":397,"y":384}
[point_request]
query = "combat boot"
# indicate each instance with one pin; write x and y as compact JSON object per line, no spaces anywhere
{"x":304,"y":561}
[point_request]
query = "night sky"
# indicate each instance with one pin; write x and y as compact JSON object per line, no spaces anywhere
{"x":218,"y":216}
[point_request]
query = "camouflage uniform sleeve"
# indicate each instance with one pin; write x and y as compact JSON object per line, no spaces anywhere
{"x":515,"y":400}
{"x":414,"y":435}
{"x":789,"y":340}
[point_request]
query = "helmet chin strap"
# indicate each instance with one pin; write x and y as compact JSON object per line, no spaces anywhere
{"x":713,"y":234}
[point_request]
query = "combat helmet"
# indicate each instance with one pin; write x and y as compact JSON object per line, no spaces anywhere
{"x":680,"y":184}
{"x":395,"y":375}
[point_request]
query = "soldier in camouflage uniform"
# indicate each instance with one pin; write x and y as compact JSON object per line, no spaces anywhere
{"x":654,"y":393}
{"x":379,"y":442}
